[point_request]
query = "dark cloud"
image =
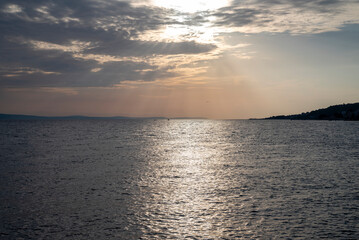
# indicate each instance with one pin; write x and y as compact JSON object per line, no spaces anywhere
{"x":287,"y":15}
{"x":308,"y":5}
{"x":294,"y":2}
{"x":107,"y":27}
{"x":22,"y":66}
{"x":65,"y":71}
{"x":238,"y":17}
{"x":112,"y":16}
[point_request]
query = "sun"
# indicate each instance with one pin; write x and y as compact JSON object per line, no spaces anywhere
{"x":202,"y":32}
{"x":191,"y":6}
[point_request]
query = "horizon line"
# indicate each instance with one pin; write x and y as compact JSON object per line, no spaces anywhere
{"x":19,"y":116}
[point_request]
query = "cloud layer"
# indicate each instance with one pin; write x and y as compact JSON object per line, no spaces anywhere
{"x":82,"y":43}
{"x":292,"y":16}
{"x":89,"y":43}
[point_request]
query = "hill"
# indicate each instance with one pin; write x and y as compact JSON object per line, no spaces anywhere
{"x":348,"y":112}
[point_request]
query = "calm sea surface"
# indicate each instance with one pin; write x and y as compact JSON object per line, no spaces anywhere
{"x":179,"y":179}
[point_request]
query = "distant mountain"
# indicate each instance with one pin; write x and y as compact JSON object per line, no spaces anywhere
{"x":348,"y":112}
{"x":32,"y":117}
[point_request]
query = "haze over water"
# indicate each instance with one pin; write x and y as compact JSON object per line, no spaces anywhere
{"x":178,"y":179}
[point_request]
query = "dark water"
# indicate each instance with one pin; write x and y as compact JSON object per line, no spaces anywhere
{"x":178,"y":179}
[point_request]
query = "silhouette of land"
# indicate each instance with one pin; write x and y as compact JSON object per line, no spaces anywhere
{"x":348,"y":112}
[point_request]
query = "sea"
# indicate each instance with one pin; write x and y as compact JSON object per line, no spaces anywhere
{"x":179,"y":179}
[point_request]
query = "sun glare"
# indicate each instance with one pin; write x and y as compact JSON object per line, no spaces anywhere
{"x":191,"y":5}
{"x":178,"y":31}
{"x":200,"y":34}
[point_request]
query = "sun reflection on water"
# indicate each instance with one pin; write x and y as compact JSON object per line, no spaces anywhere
{"x":185,"y":183}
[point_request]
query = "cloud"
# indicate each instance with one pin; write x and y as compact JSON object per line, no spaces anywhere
{"x":83,"y":43}
{"x":54,"y":67}
{"x":296,"y":17}
{"x":47,"y":43}
{"x":238,"y":17}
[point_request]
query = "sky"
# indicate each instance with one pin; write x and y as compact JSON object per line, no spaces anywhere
{"x":182,"y":58}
